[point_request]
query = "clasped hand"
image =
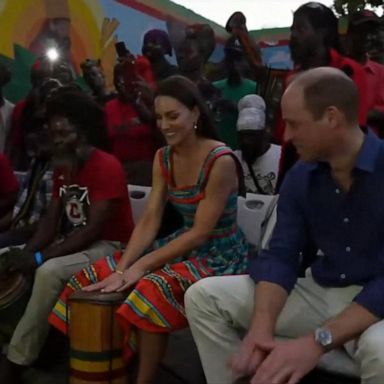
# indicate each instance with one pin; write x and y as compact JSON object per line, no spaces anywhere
{"x":276,"y":362}
{"x":117,"y":282}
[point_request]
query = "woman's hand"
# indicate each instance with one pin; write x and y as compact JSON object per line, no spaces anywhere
{"x":110,"y":284}
{"x":132,"y":275}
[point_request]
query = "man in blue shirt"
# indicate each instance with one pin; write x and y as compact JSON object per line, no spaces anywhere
{"x":333,"y":198}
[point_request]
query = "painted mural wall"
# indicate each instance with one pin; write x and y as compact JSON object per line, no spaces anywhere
{"x":81,"y":29}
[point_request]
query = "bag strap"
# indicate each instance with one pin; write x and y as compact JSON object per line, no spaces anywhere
{"x":254,"y":178}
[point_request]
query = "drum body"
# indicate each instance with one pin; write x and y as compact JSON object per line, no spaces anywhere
{"x":96,"y":340}
{"x":15,"y":290}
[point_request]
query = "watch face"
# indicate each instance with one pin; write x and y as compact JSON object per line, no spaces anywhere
{"x":323,"y":336}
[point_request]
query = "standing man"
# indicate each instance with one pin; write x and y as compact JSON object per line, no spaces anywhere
{"x":361,"y":39}
{"x":88,"y":218}
{"x":334,"y":191}
{"x":232,"y":89}
{"x":258,"y":157}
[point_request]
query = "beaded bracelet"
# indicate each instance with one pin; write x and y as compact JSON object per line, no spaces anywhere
{"x":38,"y":258}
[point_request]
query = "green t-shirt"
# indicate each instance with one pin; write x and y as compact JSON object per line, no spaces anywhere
{"x":226,"y":120}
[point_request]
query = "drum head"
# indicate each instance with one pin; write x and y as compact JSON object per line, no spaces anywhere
{"x":12,"y":288}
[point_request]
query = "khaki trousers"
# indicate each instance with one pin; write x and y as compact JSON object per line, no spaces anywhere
{"x":50,"y":279}
{"x":219,"y":310}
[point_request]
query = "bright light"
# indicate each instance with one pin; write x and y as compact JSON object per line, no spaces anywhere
{"x":52,"y":54}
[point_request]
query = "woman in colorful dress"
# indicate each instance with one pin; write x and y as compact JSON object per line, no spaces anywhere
{"x":198,"y":174}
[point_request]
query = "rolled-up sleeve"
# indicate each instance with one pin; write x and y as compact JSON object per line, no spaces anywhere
{"x":371,"y":297}
{"x":279,"y":263}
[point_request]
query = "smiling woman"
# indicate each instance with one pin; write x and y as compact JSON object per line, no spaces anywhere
{"x":198,"y":175}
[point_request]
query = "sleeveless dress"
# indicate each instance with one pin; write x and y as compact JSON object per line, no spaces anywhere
{"x":156,"y":304}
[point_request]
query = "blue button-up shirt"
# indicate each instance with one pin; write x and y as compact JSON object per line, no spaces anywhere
{"x":346,"y":227}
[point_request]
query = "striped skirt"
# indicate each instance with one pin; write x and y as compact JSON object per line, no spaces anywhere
{"x":156,"y":304}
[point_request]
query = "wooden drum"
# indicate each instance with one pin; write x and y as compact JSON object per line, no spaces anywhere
{"x":96,"y":340}
{"x":14,"y":296}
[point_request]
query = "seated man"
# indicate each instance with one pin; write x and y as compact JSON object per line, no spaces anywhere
{"x":258,"y":157}
{"x":9,"y":186}
{"x":333,"y":196}
{"x":36,"y":185}
{"x":89,"y":217}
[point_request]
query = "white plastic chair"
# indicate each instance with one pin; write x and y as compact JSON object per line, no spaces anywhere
{"x":252,"y":212}
{"x":138,"y":195}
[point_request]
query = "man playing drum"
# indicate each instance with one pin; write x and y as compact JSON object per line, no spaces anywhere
{"x":89,"y":216}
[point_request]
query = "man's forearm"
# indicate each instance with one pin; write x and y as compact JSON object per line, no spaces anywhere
{"x":75,"y":242}
{"x":350,"y":323}
{"x":44,"y":236}
{"x":268,"y":302}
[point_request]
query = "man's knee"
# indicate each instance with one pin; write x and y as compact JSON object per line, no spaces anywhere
{"x":226,"y":295}
{"x":371,"y":344}
{"x":194,"y":297}
{"x":48,"y":273}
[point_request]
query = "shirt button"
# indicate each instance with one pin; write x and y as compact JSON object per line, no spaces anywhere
{"x":337,"y":190}
{"x":346,"y":220}
{"x":348,"y":249}
{"x":342,"y":276}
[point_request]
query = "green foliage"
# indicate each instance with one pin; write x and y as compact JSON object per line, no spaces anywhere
{"x":346,"y":7}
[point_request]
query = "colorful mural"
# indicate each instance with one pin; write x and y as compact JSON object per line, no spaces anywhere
{"x":79,"y":29}
{"x":82,"y":29}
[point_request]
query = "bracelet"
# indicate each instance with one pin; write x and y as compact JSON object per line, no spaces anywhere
{"x":38,"y":258}
{"x":119,"y":272}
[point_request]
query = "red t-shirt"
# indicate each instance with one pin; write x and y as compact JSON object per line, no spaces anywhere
{"x":101,"y":178}
{"x":375,"y":85}
{"x":8,"y":180}
{"x":354,"y":70}
{"x":16,"y":132}
{"x":131,"y":139}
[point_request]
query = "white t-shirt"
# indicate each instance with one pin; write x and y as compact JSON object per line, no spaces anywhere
{"x":266,"y":168}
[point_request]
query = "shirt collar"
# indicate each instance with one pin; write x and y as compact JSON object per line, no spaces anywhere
{"x":366,"y":159}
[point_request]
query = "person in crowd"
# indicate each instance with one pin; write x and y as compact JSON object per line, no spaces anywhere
{"x":362,"y":28}
{"x":6,"y":107}
{"x":89,"y":216}
{"x":198,"y":174}
{"x":130,"y":123}
{"x":338,"y":302}
{"x":259,"y":158}
{"x":41,"y":71}
{"x":94,"y":77}
{"x":9,"y":187}
{"x":192,"y":55}
{"x":315,"y":42}
{"x":232,"y":89}
{"x":156,"y":45}
{"x":36,"y":184}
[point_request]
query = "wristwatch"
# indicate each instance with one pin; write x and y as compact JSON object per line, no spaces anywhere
{"x":323,"y":337}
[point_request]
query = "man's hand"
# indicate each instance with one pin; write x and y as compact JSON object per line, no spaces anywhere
{"x":18,"y":260}
{"x":288,"y":361}
{"x":245,"y":362}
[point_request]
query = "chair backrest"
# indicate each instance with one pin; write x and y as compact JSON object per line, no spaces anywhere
{"x":138,"y":195}
{"x":253,"y":213}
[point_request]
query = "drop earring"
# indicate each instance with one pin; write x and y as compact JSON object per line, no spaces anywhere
{"x":195,"y":126}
